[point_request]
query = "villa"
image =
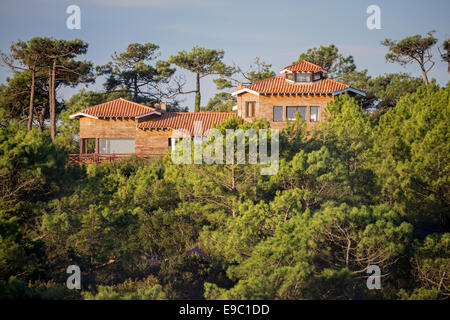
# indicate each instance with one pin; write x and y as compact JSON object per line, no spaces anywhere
{"x":121,"y":127}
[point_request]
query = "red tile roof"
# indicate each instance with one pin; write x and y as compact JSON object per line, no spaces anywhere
{"x":279,"y":84}
{"x":185,"y":120}
{"x":115,"y":108}
{"x":303,"y":66}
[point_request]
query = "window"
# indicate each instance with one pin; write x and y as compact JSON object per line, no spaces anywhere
{"x":302,"y":77}
{"x":314,"y":114}
{"x":290,"y":113}
{"x":116,"y":145}
{"x":290,"y":76}
{"x":250,"y":108}
{"x":316,"y":76}
{"x":277,"y":113}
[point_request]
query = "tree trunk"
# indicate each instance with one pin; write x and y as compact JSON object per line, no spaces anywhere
{"x":52,"y":103}
{"x":30,"y":115}
{"x":424,"y":74}
{"x":197,"y":94}
{"x":135,"y":89}
{"x":41,"y":118}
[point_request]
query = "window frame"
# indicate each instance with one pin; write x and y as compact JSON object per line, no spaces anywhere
{"x":306,"y":75}
{"x":248,"y":109}
{"x":273,"y":114}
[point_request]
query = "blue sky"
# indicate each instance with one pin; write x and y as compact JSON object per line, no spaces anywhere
{"x":277,"y":31}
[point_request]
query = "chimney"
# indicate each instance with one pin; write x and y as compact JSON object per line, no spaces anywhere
{"x":239,"y":85}
{"x":163,"y":106}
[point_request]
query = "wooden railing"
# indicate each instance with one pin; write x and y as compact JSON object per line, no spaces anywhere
{"x":94,"y":157}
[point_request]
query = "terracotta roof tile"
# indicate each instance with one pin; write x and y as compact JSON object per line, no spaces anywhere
{"x":185,"y":120}
{"x":115,"y":108}
{"x":279,"y":84}
{"x":303,"y":66}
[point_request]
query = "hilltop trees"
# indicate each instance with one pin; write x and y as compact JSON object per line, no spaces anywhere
{"x":412,"y":49}
{"x":133,"y":71}
{"x":329,"y":58}
{"x":52,"y":63}
{"x":203,"y":62}
{"x":29,"y":58}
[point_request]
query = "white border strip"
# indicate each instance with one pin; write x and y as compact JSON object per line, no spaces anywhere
{"x":148,"y":114}
{"x":351,"y":90}
{"x":235,"y":93}
{"x":81,"y":114}
{"x":289,"y":71}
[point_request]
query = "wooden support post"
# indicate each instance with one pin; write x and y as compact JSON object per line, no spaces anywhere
{"x":96,"y":145}
{"x":81,"y":145}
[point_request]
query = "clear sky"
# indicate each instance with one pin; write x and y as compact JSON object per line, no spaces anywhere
{"x":276,"y":31}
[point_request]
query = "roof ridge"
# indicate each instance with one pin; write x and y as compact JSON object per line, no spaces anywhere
{"x":207,"y":112}
{"x":261,"y":81}
{"x":304,"y":61}
{"x":337,"y":81}
{"x":139,"y":104}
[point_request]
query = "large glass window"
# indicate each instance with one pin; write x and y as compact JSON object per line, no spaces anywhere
{"x":302,"y":77}
{"x":250,"y":108}
{"x":277,"y":113}
{"x":290,"y":113}
{"x":314,"y":114}
{"x":116,"y":145}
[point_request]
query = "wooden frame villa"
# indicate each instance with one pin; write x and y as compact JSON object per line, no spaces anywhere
{"x":120,"y":127}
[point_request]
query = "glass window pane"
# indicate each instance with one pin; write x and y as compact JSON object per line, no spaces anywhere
{"x":116,"y":145}
{"x":290,"y":112}
{"x":314,"y":114}
{"x":250,"y":108}
{"x":303,"y":77}
{"x":302,"y":112}
{"x":277,"y":113}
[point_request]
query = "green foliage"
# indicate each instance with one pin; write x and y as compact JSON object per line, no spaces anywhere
{"x":14,"y":289}
{"x":410,"y":156}
{"x":431,"y":262}
{"x":319,"y":256}
{"x":29,"y":163}
{"x":139,"y":290}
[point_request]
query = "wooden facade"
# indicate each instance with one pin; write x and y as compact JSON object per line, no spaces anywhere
{"x":303,"y":87}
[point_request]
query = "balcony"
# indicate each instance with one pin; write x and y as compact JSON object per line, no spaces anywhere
{"x":87,"y":158}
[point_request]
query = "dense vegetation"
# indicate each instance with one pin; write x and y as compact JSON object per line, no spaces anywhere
{"x":364,"y":189}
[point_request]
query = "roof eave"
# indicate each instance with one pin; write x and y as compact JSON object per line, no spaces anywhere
{"x":290,"y":71}
{"x":81,"y":114}
{"x":237,"y":92}
{"x":148,"y":114}
{"x":350,"y":90}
